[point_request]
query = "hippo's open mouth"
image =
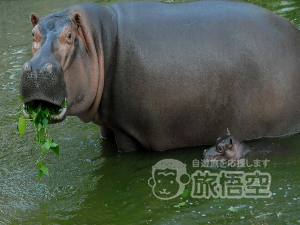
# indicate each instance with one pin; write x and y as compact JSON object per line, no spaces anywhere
{"x":57,"y":112}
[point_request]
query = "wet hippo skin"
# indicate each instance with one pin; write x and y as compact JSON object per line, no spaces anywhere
{"x":159,"y":76}
{"x":227,"y":147}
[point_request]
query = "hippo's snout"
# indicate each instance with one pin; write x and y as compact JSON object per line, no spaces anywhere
{"x":210,"y":153}
{"x":43,"y":83}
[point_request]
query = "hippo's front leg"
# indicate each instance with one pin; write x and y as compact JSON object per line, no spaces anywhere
{"x":125,"y":142}
{"x":107,"y":133}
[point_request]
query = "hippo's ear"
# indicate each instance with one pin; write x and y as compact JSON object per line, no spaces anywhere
{"x":228,"y":132}
{"x":230,"y":145}
{"x":34,"y":19}
{"x":77,"y":19}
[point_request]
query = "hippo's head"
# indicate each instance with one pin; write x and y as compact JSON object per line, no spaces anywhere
{"x":66,"y":64}
{"x":227,"y":147}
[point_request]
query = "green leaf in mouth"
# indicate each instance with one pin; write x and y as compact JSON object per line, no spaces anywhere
{"x":39,"y":116}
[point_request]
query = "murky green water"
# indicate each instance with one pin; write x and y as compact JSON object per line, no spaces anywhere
{"x":90,"y":183}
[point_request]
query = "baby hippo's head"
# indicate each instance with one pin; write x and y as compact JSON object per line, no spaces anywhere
{"x":227,"y":147}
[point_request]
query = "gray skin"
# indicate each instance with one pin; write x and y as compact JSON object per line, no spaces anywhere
{"x":159,"y":76}
{"x":226,"y":148}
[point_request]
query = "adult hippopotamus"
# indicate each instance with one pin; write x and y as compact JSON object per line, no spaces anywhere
{"x":160,"y":76}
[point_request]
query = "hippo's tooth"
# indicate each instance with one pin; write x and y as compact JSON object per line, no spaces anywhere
{"x":60,"y":115}
{"x":25,"y":114}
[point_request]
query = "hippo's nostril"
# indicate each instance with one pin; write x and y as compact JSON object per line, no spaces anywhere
{"x":48,"y":67}
{"x":26,"y":67}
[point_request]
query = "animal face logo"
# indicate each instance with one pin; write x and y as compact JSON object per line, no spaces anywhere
{"x":168,"y":179}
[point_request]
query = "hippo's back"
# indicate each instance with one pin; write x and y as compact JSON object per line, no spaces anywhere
{"x":187,"y":71}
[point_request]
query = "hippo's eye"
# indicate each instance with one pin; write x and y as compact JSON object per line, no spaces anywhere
{"x":69,"y":36}
{"x":219,"y":149}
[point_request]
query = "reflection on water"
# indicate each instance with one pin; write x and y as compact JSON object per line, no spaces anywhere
{"x":90,"y":183}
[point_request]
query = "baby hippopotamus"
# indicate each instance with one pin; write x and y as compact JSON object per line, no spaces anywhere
{"x":227,"y":147}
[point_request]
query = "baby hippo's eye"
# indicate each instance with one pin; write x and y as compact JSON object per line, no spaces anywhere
{"x":69,"y":36}
{"x":219,"y":149}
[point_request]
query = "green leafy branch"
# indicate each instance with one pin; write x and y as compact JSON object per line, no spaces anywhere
{"x":40,"y":118}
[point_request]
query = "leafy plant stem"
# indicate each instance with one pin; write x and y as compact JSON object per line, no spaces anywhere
{"x":40,"y":117}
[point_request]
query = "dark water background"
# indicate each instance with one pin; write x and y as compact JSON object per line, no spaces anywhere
{"x":90,"y":183}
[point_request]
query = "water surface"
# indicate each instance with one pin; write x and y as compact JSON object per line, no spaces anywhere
{"x":90,"y":183}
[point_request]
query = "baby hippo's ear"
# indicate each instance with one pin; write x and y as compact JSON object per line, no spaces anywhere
{"x":228,"y":132}
{"x":231,"y":143}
